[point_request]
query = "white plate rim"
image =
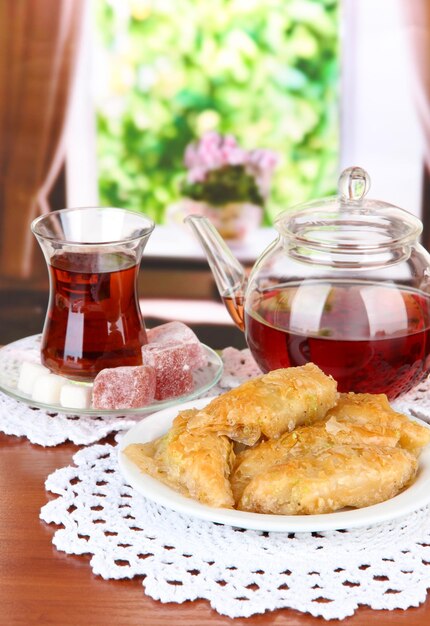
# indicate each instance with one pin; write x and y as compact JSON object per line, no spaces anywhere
{"x":411,"y":499}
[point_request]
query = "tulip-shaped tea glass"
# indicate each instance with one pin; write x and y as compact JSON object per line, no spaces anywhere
{"x":93,"y":319}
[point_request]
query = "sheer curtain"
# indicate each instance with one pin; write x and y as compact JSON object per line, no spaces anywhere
{"x":38,"y":49}
{"x":417,"y":15}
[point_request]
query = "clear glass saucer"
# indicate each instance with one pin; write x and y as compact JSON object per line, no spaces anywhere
{"x":13,"y":355}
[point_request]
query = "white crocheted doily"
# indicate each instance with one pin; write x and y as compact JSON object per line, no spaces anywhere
{"x":51,"y":428}
{"x":240,"y":572}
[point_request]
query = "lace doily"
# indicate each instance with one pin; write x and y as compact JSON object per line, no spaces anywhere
{"x":240,"y":572}
{"x":415,"y":402}
{"x":51,"y":428}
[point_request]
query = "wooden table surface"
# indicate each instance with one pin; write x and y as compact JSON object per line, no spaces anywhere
{"x":39,"y":585}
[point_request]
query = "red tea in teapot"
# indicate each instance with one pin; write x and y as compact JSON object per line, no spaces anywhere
{"x":370,"y":337}
{"x":93,"y":319}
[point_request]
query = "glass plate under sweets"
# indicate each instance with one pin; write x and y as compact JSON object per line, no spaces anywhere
{"x":13,"y":355}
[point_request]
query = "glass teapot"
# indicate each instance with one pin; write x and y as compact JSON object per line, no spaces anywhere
{"x":345,"y":285}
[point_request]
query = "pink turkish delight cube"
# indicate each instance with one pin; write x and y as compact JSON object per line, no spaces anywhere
{"x":178,"y":334}
{"x":173,"y":374}
{"x":124,"y":387}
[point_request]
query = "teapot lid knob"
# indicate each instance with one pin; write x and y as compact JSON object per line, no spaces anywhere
{"x":354,"y":183}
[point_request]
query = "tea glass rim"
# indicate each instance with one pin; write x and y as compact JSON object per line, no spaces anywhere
{"x":145,"y":232}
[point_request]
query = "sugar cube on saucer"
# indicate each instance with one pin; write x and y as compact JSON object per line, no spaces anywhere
{"x":179,"y":334}
{"x":28,"y":375}
{"x":124,"y":387}
{"x":74,"y":396}
{"x":47,"y":389}
{"x":174,"y":375}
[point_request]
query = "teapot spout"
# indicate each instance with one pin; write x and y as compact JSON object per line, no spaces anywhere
{"x":228,"y":273}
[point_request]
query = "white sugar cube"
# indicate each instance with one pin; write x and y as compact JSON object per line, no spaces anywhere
{"x":28,"y":375}
{"x":76,"y":396}
{"x":47,"y":389}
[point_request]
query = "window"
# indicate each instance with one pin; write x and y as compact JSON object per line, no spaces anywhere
{"x":167,"y":71}
{"x":160,"y":76}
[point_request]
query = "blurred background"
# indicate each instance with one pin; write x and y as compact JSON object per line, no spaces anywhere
{"x":169,"y":71}
{"x":99,"y":100}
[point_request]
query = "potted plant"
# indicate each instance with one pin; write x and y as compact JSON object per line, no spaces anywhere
{"x":226,"y":183}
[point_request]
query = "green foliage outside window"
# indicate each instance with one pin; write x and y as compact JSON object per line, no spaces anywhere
{"x":265,"y":71}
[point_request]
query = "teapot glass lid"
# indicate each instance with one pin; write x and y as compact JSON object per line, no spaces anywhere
{"x":350,"y":219}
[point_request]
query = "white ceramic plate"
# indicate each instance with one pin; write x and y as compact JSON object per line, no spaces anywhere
{"x":413,"y":498}
{"x":28,"y":349}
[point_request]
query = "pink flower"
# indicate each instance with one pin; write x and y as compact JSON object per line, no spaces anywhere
{"x":233,"y":155}
{"x":213,"y":152}
{"x":196,"y":175}
{"x":191,"y":156}
{"x":210,"y":156}
{"x":262,"y":159}
{"x":211,"y":138}
{"x":230,"y":141}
